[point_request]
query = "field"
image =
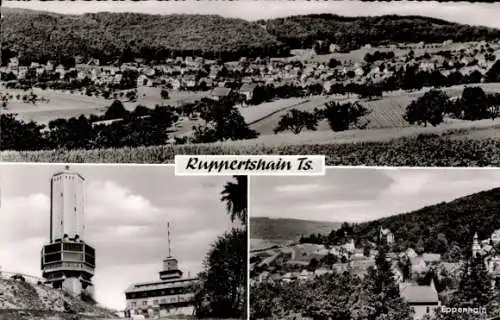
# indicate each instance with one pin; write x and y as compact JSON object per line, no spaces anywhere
{"x":385,"y":113}
{"x":66,"y":105}
{"x":356,"y":56}
{"x":260,"y":244}
{"x":450,"y":148}
{"x":287,"y":229}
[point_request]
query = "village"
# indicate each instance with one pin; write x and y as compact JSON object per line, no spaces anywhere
{"x":216,"y":79}
{"x":305,"y":262}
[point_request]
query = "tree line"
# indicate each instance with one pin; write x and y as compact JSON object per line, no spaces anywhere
{"x":350,"y":33}
{"x":118,"y":127}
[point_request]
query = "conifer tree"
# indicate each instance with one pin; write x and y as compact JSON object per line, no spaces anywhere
{"x":475,"y":288}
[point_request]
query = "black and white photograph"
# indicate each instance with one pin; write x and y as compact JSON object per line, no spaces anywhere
{"x":82,"y":242}
{"x":399,"y":83}
{"x":370,"y":244}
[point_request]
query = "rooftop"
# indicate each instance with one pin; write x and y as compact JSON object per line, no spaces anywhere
{"x":158,"y":285}
{"x":220,"y":92}
{"x":418,"y":294}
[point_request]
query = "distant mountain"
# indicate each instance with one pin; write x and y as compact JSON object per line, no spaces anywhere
{"x":353,"y":32}
{"x":38,"y":36}
{"x":287,"y":229}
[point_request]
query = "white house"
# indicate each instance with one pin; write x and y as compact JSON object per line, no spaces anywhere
{"x":423,"y":300}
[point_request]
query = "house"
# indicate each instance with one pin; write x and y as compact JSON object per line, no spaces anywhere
{"x":144,"y":81}
{"x":176,"y":84}
{"x":189,"y":81}
{"x":387,"y":235}
{"x":305,"y":275}
{"x":288,"y":277}
{"x":248,"y":90}
{"x":263,"y":277}
{"x":418,"y":264}
{"x":495,"y":236}
{"x":95,"y":74}
{"x":327,"y":86}
{"x":150,"y":72}
{"x":423,"y":300}
{"x":219,"y":93}
{"x":23,"y":71}
{"x":117,"y":78}
{"x":40,"y":71}
{"x":60,"y":69}
{"x":431,"y":258}
{"x":13,"y":63}
{"x":49,"y":66}
{"x":334,"y":48}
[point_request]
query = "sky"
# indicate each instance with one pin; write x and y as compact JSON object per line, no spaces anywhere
{"x":126,"y":211}
{"x":463,"y":12}
{"x":363,"y":194}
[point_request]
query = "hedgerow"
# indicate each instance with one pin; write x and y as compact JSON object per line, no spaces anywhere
{"x":423,"y":150}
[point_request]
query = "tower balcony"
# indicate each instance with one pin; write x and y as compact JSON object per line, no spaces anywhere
{"x":69,"y":258}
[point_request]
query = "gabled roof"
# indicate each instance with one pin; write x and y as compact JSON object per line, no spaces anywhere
{"x":431,"y":257}
{"x":418,"y":294}
{"x":220,"y":92}
{"x":248,"y":87}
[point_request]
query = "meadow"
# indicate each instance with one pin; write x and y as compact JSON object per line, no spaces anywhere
{"x":63,"y":104}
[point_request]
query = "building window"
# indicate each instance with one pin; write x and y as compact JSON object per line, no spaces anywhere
{"x":145,"y":303}
{"x":133,"y":304}
{"x":163,"y":301}
{"x":155,"y":302}
{"x":428,"y":310}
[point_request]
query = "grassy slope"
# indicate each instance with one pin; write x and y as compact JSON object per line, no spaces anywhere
{"x":22,"y":300}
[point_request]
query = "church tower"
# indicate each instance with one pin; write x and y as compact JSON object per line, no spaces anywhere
{"x":67,"y":261}
{"x":170,"y":267}
{"x":476,"y":247}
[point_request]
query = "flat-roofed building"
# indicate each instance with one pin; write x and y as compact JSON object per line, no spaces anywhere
{"x":171,"y":295}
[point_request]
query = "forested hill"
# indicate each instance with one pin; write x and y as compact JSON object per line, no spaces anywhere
{"x":123,"y":37}
{"x":38,"y":36}
{"x":439,"y":227}
{"x":353,"y":32}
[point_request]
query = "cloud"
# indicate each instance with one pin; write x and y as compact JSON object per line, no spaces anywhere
{"x":366,"y":194}
{"x":298,"y":188}
{"x":125,"y":222}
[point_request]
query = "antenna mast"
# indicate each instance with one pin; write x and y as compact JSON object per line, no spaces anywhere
{"x":168,"y":233}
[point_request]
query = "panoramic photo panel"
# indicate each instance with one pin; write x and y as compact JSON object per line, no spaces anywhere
{"x":415,"y":82}
{"x":107,"y":242}
{"x":363,"y":244}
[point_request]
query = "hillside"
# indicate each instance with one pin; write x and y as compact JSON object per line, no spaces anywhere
{"x":25,"y":300}
{"x":438,"y":227}
{"x":38,"y":36}
{"x":353,"y":32}
{"x":287,"y":229}
{"x":446,"y":228}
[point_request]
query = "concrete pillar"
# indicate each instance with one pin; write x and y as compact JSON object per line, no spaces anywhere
{"x":72,"y":285}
